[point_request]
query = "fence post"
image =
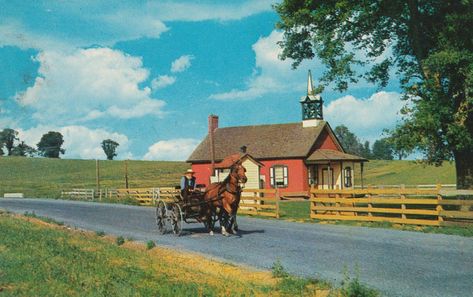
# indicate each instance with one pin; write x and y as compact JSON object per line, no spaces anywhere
{"x":369,"y":196}
{"x":439,"y":207}
{"x":277,"y":203}
{"x":311,"y":203}
{"x":403,"y":206}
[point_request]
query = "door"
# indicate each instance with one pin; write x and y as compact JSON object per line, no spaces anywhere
{"x":327,"y":178}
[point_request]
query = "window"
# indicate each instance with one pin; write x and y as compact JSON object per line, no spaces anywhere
{"x":348,"y":179}
{"x":278,"y":176}
{"x":313,"y":172}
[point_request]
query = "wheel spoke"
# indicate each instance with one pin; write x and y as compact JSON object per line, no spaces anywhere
{"x":161,"y":217}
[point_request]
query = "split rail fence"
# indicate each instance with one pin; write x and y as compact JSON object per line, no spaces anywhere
{"x":260,"y":202}
{"x":87,"y":194}
{"x":434,"y":207}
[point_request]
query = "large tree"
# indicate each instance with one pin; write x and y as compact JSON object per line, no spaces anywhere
{"x":23,"y":150}
{"x":50,"y":145}
{"x":351,"y":143}
{"x":382,"y":149}
{"x":428,"y":42}
{"x":7,"y":138}
{"x":109,"y":147}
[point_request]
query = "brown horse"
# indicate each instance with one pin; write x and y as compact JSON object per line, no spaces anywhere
{"x":224,"y":198}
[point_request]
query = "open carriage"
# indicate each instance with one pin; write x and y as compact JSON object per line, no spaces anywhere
{"x":219,"y":202}
{"x":175,"y":211}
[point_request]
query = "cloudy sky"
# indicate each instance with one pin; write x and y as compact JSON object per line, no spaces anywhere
{"x":148,"y":73}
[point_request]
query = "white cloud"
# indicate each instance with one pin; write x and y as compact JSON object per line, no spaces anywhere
{"x":117,"y":26}
{"x":271,"y":75}
{"x":173,"y":150}
{"x":365,"y":117}
{"x":162,"y":81}
{"x":181,"y":64}
{"x":13,"y":33}
{"x":104,"y":24}
{"x":89,"y":84}
{"x":188,"y":11}
{"x":79,"y":141}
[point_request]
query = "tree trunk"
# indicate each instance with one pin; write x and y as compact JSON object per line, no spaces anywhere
{"x":464,"y":169}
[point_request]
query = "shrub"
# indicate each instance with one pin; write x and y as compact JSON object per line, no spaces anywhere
{"x":351,"y":287}
{"x":150,"y":244}
{"x":278,"y":270}
{"x":120,"y":240}
{"x":100,"y":233}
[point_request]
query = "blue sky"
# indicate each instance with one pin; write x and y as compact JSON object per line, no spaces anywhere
{"x":148,"y":73}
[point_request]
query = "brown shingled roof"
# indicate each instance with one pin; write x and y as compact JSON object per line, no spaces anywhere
{"x":332,"y":155}
{"x":262,"y":141}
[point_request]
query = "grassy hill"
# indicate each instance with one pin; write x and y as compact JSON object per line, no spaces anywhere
{"x":39,"y":177}
{"x":378,"y":172}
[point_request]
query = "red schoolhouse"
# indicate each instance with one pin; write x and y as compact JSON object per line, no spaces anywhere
{"x":291,"y":157}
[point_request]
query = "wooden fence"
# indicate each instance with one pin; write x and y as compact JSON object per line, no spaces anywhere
{"x":260,"y":202}
{"x":87,"y":194}
{"x":404,"y":206}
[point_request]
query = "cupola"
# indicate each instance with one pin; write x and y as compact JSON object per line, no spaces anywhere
{"x":312,"y":105}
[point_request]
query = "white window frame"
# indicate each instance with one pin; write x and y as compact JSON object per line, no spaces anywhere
{"x":279,"y":182}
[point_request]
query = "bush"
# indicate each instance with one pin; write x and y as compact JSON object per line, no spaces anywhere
{"x":100,"y":233}
{"x":278,"y":270}
{"x":150,"y":244}
{"x":120,"y":240}
{"x":351,"y":287}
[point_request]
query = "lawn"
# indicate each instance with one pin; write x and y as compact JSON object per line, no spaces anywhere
{"x":40,"y":258}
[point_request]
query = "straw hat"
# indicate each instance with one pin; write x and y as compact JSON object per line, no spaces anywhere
{"x":189,"y":171}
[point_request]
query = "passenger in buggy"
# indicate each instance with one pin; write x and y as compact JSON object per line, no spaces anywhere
{"x":187,"y":184}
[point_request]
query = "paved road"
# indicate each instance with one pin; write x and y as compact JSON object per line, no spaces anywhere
{"x":398,"y":263}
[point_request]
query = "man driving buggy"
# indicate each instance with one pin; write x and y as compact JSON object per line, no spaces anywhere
{"x":187,"y":184}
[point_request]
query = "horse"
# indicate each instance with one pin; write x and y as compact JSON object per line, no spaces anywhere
{"x":225,"y":196}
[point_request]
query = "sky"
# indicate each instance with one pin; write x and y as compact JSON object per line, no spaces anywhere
{"x":147,"y":74}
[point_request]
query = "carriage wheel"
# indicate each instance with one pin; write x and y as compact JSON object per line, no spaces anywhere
{"x":161,"y":217}
{"x":176,"y":219}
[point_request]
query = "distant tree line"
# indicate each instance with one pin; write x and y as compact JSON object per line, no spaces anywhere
{"x":50,"y":145}
{"x":382,"y":149}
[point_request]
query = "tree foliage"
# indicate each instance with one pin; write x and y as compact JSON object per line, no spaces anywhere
{"x":109,"y":147}
{"x":428,"y":42}
{"x":351,"y":143}
{"x":50,"y":145}
{"x":7,"y":138}
{"x":382,"y":149}
{"x":23,"y":150}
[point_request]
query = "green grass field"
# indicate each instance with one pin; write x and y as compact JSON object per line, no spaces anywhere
{"x":39,"y":177}
{"x":378,"y":172}
{"x":45,"y":259}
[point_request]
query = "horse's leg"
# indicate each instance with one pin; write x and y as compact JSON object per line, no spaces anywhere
{"x":210,"y":219}
{"x":235,"y":224}
{"x":223,"y":220}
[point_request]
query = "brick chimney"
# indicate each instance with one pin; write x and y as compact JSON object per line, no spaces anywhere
{"x":213,"y":122}
{"x":213,"y":125}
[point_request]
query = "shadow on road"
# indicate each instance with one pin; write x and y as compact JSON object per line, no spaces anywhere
{"x":200,"y":232}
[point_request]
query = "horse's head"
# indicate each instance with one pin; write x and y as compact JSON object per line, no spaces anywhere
{"x":239,"y":172}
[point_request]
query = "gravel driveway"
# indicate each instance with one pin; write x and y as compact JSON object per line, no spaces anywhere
{"x":398,"y":263}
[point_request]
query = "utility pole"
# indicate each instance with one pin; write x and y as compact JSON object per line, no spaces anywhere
{"x":97,"y":174}
{"x":126,"y":174}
